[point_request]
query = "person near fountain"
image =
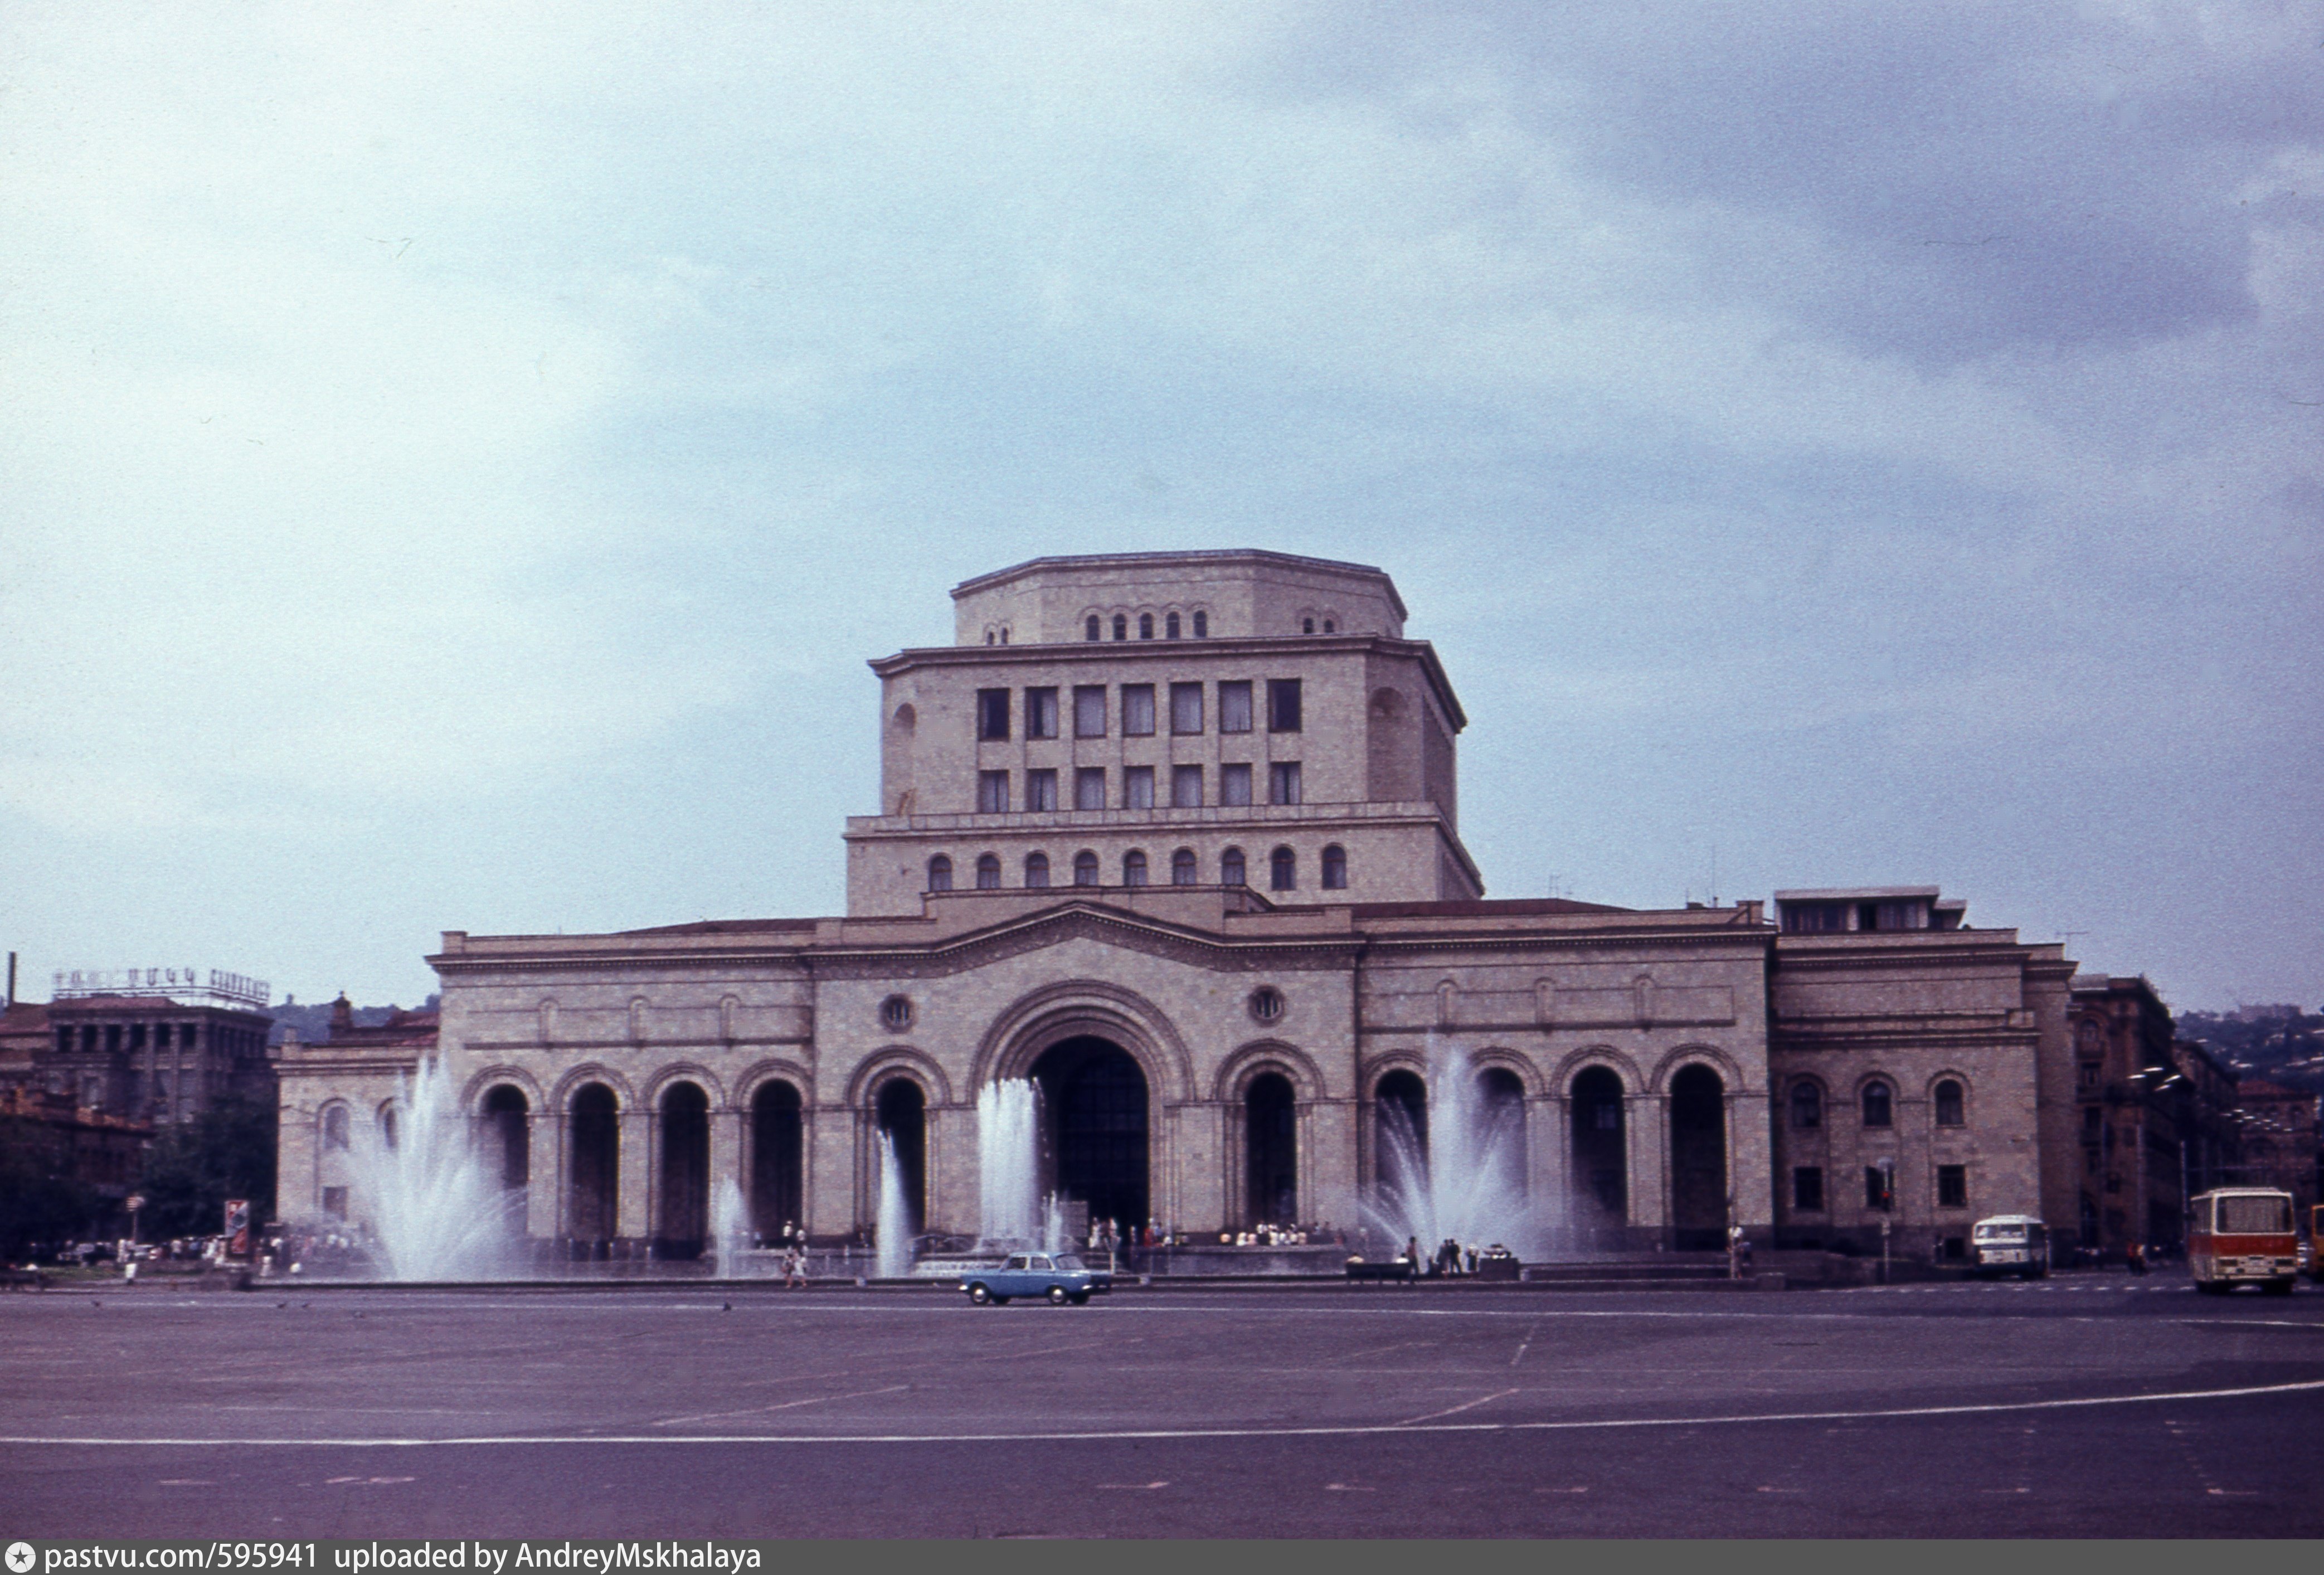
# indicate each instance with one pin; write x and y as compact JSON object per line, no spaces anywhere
{"x":794,"y":1269}
{"x":1411,"y":1255}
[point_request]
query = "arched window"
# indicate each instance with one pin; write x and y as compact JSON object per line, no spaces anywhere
{"x":1182,"y":869}
{"x":1202,"y":626}
{"x":1231,"y":869}
{"x":1306,"y":626}
{"x":1120,"y":626}
{"x":1329,"y":627}
{"x":387,"y":1127}
{"x":1086,"y":868}
{"x":1036,"y":869}
{"x":1090,"y":629}
{"x":939,"y":874}
{"x":1283,"y":870}
{"x":1004,"y":634}
{"x":1879,"y":1104}
{"x":1146,"y":626}
{"x":1170,"y":626}
{"x":1949,"y":1103}
{"x":1133,"y":868}
{"x":1335,"y":868}
{"x":334,"y":1127}
{"x":1807,"y":1106}
{"x":989,"y":637}
{"x":988,"y":872}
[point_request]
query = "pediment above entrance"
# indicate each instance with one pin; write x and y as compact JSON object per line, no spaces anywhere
{"x":1093,"y":924}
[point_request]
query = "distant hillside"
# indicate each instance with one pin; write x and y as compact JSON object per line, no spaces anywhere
{"x":2281,"y":1044}
{"x":314,"y":1021}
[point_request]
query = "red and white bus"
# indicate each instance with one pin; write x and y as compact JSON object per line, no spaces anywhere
{"x":2243,"y":1236}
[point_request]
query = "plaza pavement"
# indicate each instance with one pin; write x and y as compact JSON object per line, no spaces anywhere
{"x":2082,"y":1405}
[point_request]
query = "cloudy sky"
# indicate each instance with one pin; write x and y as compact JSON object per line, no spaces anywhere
{"x":456,"y":462}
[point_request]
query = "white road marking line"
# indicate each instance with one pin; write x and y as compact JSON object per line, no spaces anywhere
{"x":1456,"y":1410}
{"x":1348,"y":1429}
{"x":785,"y":1405}
{"x":1135,"y":1486}
{"x":1525,"y":1342}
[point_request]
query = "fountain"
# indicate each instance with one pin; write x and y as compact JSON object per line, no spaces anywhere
{"x":436,"y":1213}
{"x":1008,"y":1164}
{"x":895,"y":1230}
{"x":1466,"y":1181}
{"x":730,"y":1230}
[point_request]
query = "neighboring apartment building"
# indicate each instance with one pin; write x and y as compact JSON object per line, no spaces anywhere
{"x":1176,"y":835}
{"x":2280,"y":1139}
{"x":156,"y":1045}
{"x":2112,"y":1152}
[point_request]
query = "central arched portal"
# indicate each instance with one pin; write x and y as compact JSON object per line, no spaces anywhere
{"x":1094,"y":1118}
{"x":1698,"y":1159}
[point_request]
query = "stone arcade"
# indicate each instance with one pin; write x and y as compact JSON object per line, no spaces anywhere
{"x":1177,"y":835}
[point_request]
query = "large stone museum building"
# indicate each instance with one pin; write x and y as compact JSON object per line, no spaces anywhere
{"x":1177,"y":835}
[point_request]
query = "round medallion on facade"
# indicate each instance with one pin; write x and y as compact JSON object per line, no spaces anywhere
{"x":896,"y":1012}
{"x":1266,"y":1004}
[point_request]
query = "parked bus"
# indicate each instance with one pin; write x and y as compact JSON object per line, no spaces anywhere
{"x":2240,"y":1236}
{"x":2011,"y":1244}
{"x":2315,"y":1243}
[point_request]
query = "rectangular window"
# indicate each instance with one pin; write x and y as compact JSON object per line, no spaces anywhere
{"x":992,"y":792}
{"x":2093,"y":1119}
{"x":1234,"y":707}
{"x":334,"y":1203}
{"x":1089,"y":787}
{"x":1283,"y":782}
{"x":1185,"y":708}
{"x":1089,"y":711}
{"x":1137,"y":710}
{"x":1234,"y":784}
{"x":992,"y":715}
{"x":1283,"y":706}
{"x":1807,"y":1188}
{"x":1040,"y":791}
{"x":1137,"y":787}
{"x":1877,"y":1194}
{"x":1040,"y":714}
{"x":1185,"y":787}
{"x":1952,"y":1187}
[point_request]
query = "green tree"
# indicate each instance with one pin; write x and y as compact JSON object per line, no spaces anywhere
{"x":39,"y":1204}
{"x":225,"y":1152}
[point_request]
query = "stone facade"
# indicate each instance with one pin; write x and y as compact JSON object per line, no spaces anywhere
{"x":1216,"y":1052}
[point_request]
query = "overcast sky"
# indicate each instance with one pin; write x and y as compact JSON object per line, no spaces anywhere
{"x":455,"y":462}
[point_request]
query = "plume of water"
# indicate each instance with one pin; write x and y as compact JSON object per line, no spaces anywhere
{"x":1466,"y":1181}
{"x":895,"y":1232}
{"x":729,"y":1228}
{"x":435,"y":1211}
{"x":1054,"y":1238}
{"x":1009,"y":1162}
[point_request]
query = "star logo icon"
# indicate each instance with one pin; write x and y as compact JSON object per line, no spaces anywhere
{"x":20,"y":1558}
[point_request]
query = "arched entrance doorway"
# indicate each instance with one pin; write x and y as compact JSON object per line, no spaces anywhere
{"x":1600,"y":1155}
{"x":1698,"y":1157}
{"x":684,"y":1220}
{"x":778,"y":1161}
{"x":1093,"y":1125}
{"x":1271,"y":1152}
{"x":901,"y":1110}
{"x":1400,"y":1135}
{"x":1500,"y":1101}
{"x":509,"y":1135}
{"x":592,"y":1174}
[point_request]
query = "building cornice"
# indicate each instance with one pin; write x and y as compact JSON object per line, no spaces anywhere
{"x":960,"y":656}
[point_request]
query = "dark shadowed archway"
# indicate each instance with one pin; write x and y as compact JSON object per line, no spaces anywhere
{"x":902,"y":1111}
{"x":1601,"y":1154}
{"x":1094,"y":1118}
{"x":592,"y":1174}
{"x":778,"y":1161}
{"x":685,"y":1223}
{"x":509,"y":1135}
{"x":1399,"y":1131}
{"x":1501,"y":1099}
{"x":1271,"y":1152}
{"x":1698,"y":1151}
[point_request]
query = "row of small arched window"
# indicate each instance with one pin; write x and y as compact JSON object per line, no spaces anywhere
{"x":1093,"y":626}
{"x":1876,"y":1104}
{"x":1185,"y":869}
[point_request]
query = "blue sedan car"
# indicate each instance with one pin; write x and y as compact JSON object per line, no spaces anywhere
{"x":1060,"y":1277}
